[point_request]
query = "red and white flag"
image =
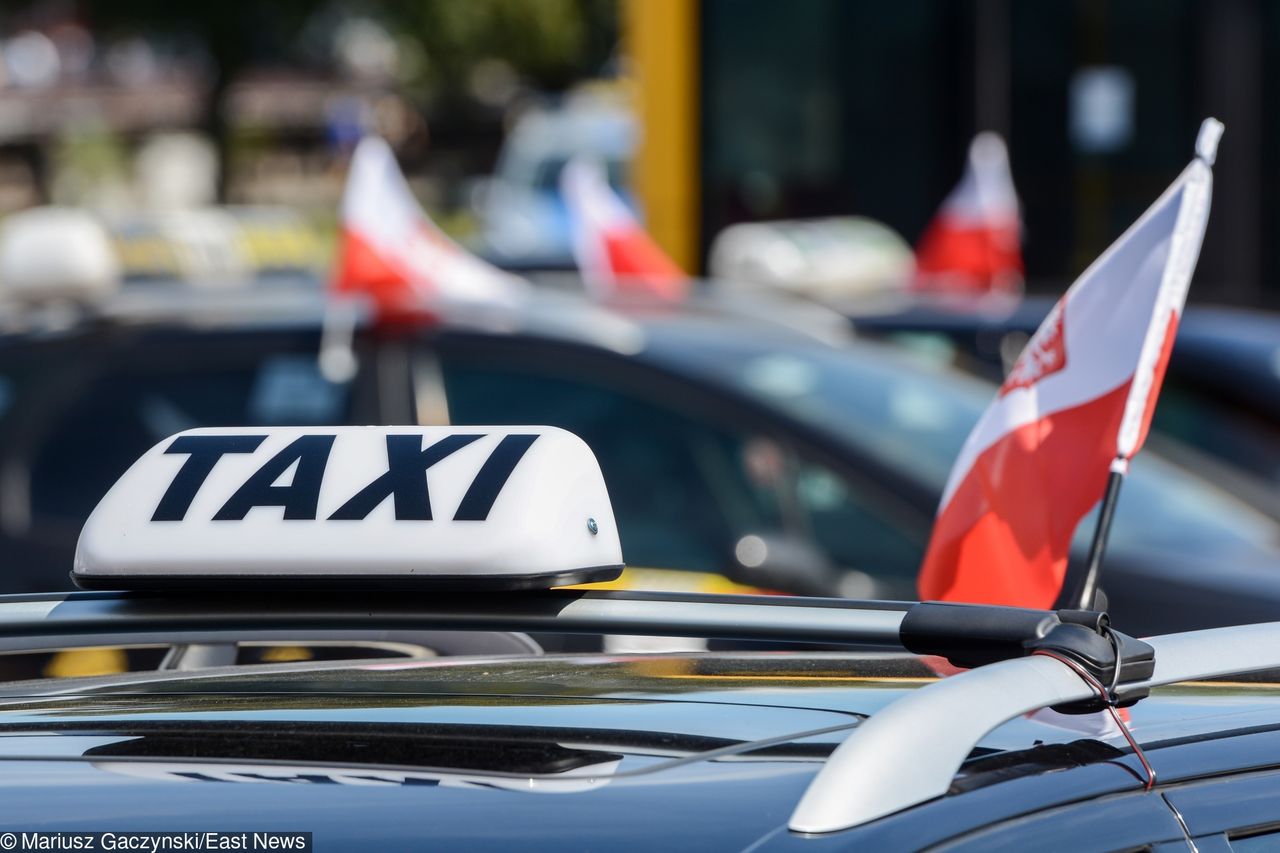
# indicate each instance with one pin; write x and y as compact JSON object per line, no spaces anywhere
{"x":614,"y":253}
{"x":392,"y":251}
{"x":974,"y":243}
{"x":1077,"y":402}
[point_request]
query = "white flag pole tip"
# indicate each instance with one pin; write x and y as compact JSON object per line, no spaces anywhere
{"x":1207,"y":140}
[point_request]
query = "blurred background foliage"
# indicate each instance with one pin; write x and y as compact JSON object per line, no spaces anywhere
{"x":433,"y":47}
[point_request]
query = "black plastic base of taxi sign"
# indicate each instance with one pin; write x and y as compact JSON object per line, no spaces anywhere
{"x":355,"y":582}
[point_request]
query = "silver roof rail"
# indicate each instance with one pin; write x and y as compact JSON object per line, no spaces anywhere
{"x":911,"y":750}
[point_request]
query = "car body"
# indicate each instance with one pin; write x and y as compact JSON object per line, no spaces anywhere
{"x":705,"y":751}
{"x":942,"y":726}
{"x":748,"y":445}
{"x":1220,"y":405}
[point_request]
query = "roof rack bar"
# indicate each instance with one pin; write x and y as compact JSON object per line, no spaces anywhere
{"x":28,"y":622}
{"x":445,"y":643}
{"x":910,"y":751}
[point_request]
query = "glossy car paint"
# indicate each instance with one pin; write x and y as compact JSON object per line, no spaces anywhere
{"x":592,"y":752}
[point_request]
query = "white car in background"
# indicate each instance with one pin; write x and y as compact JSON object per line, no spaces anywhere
{"x":523,"y":222}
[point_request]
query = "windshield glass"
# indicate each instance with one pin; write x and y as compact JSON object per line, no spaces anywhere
{"x":915,"y":416}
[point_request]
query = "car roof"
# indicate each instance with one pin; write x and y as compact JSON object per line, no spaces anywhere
{"x":619,"y":736}
{"x":558,"y":310}
{"x":585,"y":125}
{"x":1244,"y":331}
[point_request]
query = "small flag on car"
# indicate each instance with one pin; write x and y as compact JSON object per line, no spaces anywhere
{"x":614,"y":253}
{"x":1074,"y":409}
{"x":974,"y":243}
{"x":391,"y":251}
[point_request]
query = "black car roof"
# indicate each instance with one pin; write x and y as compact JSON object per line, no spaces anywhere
{"x":925,"y":746}
{"x":1242,"y":332}
{"x":544,"y":308}
{"x":617,"y":736}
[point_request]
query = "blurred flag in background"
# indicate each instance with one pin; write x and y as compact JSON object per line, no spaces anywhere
{"x":391,"y":251}
{"x":974,"y":243}
{"x":614,"y":253}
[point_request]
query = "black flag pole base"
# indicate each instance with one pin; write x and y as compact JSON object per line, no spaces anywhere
{"x":1080,"y":585}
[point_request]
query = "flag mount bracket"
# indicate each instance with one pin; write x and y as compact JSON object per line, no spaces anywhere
{"x":972,"y":635}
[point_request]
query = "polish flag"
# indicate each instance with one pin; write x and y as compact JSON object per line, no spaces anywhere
{"x":392,"y":252}
{"x":1076,"y":405}
{"x":613,"y":252}
{"x":974,"y":243}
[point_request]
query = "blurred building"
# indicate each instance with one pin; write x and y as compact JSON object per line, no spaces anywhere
{"x":755,"y":109}
{"x":126,"y":105}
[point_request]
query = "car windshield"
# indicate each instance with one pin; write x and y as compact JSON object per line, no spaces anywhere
{"x":915,"y":415}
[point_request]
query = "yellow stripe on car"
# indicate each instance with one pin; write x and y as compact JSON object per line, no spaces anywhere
{"x":671,"y":580}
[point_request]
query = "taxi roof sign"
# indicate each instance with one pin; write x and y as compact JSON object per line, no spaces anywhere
{"x":56,"y":254}
{"x":459,"y":507}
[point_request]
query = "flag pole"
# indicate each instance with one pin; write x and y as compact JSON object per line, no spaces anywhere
{"x":1080,"y":587}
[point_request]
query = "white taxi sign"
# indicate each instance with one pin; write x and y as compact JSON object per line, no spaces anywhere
{"x":463,"y":507}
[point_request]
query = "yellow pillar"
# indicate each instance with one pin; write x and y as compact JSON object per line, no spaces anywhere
{"x":661,"y":41}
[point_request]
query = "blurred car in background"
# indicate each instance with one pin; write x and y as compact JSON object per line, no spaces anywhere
{"x":523,"y":220}
{"x":831,"y":258}
{"x":1219,"y":410}
{"x":746,"y":440}
{"x":227,"y":246}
